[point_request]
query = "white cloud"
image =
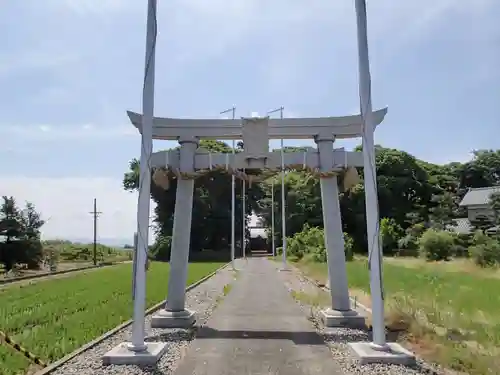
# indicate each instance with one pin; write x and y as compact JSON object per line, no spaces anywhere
{"x":67,"y":202}
{"x":44,"y":128}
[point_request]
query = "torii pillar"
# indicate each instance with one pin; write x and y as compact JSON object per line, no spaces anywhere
{"x":340,"y":312}
{"x":175,"y":314}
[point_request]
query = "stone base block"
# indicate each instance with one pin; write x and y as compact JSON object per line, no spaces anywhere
{"x":336,"y":318}
{"x":122,"y":355}
{"x":393,"y":353}
{"x":173,"y":319}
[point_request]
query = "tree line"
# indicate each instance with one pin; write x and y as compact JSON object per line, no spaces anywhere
{"x":412,"y":193}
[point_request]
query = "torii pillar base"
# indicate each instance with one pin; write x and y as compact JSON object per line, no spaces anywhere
{"x":122,"y":354}
{"x":392,"y":353}
{"x":337,"y":318}
{"x":173,"y":319}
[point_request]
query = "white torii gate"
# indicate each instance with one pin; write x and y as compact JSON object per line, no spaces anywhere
{"x":256,"y":132}
{"x":188,"y":161}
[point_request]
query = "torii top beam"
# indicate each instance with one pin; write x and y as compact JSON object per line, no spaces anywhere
{"x":288,"y":128}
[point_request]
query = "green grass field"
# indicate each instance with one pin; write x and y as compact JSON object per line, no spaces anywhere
{"x":463,"y":306}
{"x":12,"y":362}
{"x":54,"y":317}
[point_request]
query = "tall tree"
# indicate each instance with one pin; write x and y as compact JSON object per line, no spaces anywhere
{"x":482,"y":171}
{"x":32,"y":223}
{"x":211,"y":220}
{"x":12,"y":230}
{"x":444,"y":210}
{"x":410,"y":192}
{"x":21,"y":232}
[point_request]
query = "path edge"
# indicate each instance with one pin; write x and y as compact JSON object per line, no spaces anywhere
{"x":51,"y":367}
{"x":324,"y":287}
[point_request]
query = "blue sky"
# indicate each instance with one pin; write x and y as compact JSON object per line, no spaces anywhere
{"x":70,"y":69}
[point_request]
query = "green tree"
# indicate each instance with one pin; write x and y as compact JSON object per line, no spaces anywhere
{"x":302,"y":200}
{"x":21,"y":232}
{"x":211,"y":220}
{"x":390,"y":234}
{"x":32,"y":223}
{"x":412,"y":194}
{"x":403,"y":188}
{"x":443,"y":210}
{"x":495,"y":205}
{"x":482,"y":171}
{"x":11,"y":230}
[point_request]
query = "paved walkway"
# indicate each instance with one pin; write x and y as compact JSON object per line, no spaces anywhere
{"x":258,"y":329}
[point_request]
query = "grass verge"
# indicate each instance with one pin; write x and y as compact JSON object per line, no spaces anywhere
{"x":54,"y":317}
{"x":450,"y":318}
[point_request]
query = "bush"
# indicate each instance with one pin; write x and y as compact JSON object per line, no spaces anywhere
{"x":309,"y":241}
{"x":462,"y":242}
{"x":485,"y":251}
{"x":51,"y":255}
{"x":348,"y":247}
{"x":161,"y":249}
{"x":417,"y":230}
{"x":33,"y":254}
{"x":479,"y":238}
{"x":310,"y":244}
{"x":436,"y":245}
{"x":390,"y":233}
{"x":76,"y":252}
{"x":408,"y":244}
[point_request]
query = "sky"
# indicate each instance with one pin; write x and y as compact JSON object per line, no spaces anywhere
{"x":69,"y":70}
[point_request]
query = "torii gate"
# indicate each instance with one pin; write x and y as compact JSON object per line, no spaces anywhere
{"x":256,"y":132}
{"x":188,"y":161}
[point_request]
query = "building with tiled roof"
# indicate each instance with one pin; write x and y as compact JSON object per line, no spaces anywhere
{"x":477,"y":203}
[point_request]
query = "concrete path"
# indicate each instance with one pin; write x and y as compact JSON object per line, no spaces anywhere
{"x":258,"y":329}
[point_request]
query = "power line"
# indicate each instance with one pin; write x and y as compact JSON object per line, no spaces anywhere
{"x":96,"y":214}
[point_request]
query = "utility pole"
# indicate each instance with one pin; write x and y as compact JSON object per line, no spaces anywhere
{"x":96,"y":214}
